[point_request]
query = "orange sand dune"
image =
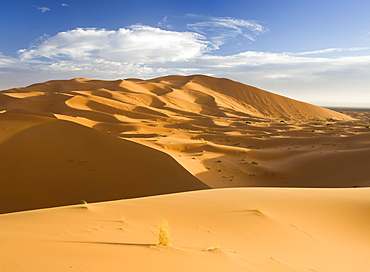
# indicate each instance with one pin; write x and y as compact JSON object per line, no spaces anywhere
{"x":167,"y":138}
{"x":164,"y":96}
{"x":240,"y":99}
{"x":225,"y":133}
{"x":243,"y":229}
{"x":47,"y":162}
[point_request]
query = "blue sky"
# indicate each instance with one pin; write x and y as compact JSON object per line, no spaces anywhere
{"x":316,"y":51}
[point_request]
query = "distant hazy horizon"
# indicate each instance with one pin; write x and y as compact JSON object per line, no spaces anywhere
{"x":313,"y":51}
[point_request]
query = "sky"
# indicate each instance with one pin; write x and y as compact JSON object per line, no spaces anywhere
{"x":316,"y":51}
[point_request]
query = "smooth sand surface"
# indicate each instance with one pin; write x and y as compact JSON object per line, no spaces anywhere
{"x":240,"y":229}
{"x":185,"y":149}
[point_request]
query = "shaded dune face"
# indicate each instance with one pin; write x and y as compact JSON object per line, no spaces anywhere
{"x":48,"y":162}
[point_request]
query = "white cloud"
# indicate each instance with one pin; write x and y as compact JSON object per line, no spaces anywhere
{"x":147,"y":51}
{"x":43,"y":9}
{"x":283,"y":66}
{"x":137,"y":44}
{"x":7,"y":63}
{"x":64,"y":5}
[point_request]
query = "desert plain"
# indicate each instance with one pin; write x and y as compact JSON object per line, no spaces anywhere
{"x":247,"y":180}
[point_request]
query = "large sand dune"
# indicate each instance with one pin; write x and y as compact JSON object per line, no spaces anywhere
{"x":150,"y":147}
{"x":225,"y":133}
{"x":160,"y":98}
{"x":47,"y":162}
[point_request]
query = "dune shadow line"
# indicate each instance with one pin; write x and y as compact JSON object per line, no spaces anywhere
{"x":114,"y":244}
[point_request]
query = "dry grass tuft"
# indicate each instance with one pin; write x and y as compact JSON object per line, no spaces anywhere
{"x":85,"y":205}
{"x":164,"y":238}
{"x":259,"y":212}
{"x":215,"y":247}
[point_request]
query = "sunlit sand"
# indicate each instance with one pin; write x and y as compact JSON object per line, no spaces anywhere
{"x":247,"y":180}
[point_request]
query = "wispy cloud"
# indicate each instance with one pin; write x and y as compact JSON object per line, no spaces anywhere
{"x":6,"y":62}
{"x":330,"y":50}
{"x":218,"y":30}
{"x":222,"y":28}
{"x":43,"y":9}
{"x":366,"y":35}
{"x":64,"y":5}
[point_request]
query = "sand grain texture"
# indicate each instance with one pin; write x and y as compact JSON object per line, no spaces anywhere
{"x":256,"y":229}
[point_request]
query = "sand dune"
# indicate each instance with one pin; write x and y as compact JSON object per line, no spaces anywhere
{"x":240,"y":99}
{"x":214,"y":230}
{"x":151,"y":148}
{"x":200,"y":95}
{"x":48,"y":162}
{"x":225,"y":133}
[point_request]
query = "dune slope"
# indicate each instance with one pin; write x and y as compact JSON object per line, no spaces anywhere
{"x":239,"y":99}
{"x":47,"y":162}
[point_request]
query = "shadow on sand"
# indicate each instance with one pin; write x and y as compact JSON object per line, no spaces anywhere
{"x":114,"y":244}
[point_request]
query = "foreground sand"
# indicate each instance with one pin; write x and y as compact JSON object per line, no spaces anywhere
{"x":242,"y":229}
{"x":182,"y":149}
